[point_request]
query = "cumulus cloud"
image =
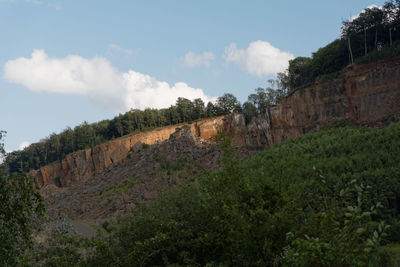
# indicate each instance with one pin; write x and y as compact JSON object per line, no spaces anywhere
{"x":23,"y":145}
{"x":97,"y":79}
{"x":193,"y":59}
{"x":260,"y":58}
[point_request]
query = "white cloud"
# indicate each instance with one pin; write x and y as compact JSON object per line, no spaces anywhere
{"x":97,"y":79}
{"x":23,"y":145}
{"x":116,"y":48}
{"x":260,"y":58}
{"x":193,"y":59}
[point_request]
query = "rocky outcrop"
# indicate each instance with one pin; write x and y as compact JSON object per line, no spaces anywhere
{"x":365,"y":95}
{"x":85,"y":164}
{"x":258,"y":132}
{"x":143,"y":175}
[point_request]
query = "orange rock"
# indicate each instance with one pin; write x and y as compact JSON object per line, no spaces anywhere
{"x":84,"y":164}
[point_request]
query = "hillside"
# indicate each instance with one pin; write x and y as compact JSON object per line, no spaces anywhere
{"x":316,"y":199}
{"x":89,"y":189}
{"x":139,"y":176}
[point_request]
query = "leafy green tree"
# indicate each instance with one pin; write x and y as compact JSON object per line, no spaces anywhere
{"x":227,"y":103}
{"x":259,"y":102}
{"x":329,"y":59}
{"x":116,"y":127}
{"x":20,"y":209}
{"x":345,"y":234}
{"x":185,"y":109}
{"x":198,"y":109}
{"x":299,"y":71}
{"x":67,"y":141}
{"x":211,"y":110}
{"x":84,"y":136}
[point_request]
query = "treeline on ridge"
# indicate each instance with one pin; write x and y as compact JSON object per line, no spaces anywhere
{"x":371,"y":36}
{"x":57,"y":146}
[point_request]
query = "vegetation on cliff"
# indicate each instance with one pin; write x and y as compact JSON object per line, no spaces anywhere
{"x":371,"y":36}
{"x":324,"y":199}
{"x":57,"y":146}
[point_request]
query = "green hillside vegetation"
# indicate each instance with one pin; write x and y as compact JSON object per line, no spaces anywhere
{"x":324,"y":199}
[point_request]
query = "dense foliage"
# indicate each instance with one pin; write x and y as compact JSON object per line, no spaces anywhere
{"x":20,"y":209}
{"x":57,"y":146}
{"x":323,"y":199}
{"x":371,"y":36}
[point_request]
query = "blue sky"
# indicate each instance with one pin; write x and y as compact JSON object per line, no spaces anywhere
{"x":65,"y":62}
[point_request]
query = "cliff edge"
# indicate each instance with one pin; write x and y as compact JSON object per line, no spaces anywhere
{"x":366,"y":95}
{"x":85,"y":164}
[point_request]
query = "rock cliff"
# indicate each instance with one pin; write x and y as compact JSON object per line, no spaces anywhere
{"x":365,"y":95}
{"x":85,"y":164}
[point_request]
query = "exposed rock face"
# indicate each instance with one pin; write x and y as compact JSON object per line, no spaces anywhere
{"x":85,"y":164}
{"x":146,"y":172}
{"x":364,"y":96}
{"x":142,"y":176}
{"x":258,"y":133}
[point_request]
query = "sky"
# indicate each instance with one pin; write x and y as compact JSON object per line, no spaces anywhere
{"x":66,"y":62}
